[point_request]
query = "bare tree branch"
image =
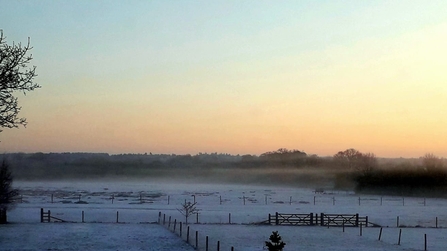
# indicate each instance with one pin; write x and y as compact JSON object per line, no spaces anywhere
{"x":15,"y":75}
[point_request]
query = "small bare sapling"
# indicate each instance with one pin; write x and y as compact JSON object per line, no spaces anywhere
{"x":188,"y":209}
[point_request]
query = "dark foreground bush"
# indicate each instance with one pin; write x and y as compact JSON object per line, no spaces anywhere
{"x":275,"y":243}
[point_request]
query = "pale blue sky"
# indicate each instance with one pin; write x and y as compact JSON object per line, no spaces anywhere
{"x":230,"y":76}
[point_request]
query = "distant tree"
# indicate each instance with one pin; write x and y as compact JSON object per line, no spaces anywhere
{"x":431,"y":162}
{"x":188,"y":209}
{"x":275,"y":243}
{"x":7,"y":193}
{"x":349,"y":158}
{"x":248,"y":158}
{"x":15,"y":75}
{"x":284,"y":157}
{"x":368,"y":163}
{"x":313,"y":160}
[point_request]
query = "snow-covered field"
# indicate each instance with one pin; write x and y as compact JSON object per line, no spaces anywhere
{"x":137,"y":205}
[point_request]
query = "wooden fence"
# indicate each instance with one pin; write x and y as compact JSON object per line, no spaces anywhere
{"x":292,"y":219}
{"x":193,"y":238}
{"x":336,"y":220}
{"x":46,"y":217}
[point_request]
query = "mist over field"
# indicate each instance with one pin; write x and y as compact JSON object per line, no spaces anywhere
{"x":359,"y":172}
{"x":202,"y":168}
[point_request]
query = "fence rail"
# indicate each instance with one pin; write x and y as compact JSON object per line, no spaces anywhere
{"x":292,"y":219}
{"x":336,"y":220}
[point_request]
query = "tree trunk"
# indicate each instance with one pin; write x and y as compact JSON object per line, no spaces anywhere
{"x":3,"y":216}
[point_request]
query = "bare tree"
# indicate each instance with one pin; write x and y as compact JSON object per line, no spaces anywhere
{"x":15,"y":75}
{"x":7,"y":193}
{"x":188,"y":209}
{"x":349,"y":158}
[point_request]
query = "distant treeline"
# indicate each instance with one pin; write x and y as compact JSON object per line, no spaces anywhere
{"x":349,"y":169}
{"x":91,"y":165}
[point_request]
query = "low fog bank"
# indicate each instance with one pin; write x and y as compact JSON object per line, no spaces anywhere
{"x":347,"y":170}
{"x":285,"y":168}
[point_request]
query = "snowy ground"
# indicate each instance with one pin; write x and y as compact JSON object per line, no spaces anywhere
{"x":138,"y":205}
{"x":89,"y":236}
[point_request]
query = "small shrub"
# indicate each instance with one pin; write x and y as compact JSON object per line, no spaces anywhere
{"x":275,"y":243}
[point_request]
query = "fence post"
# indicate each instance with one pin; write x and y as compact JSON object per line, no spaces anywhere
{"x":206,"y":243}
{"x":380,"y":234}
{"x":244,"y":199}
{"x":276,"y":218}
{"x":403,"y":201}
{"x":397,"y":221}
{"x":290,"y":201}
{"x":82,"y":216}
{"x":425,"y":242}
{"x":117,"y":216}
{"x":181,"y":227}
{"x":197,"y":218}
{"x":229,"y":218}
{"x":400,"y":234}
{"x":322,"y":219}
{"x":197,"y":239}
{"x":436,"y":222}
{"x":168,"y":199}
{"x":266,"y":199}
{"x":187,"y":235}
{"x":41,"y":215}
{"x":359,"y":201}
{"x":366,"y":223}
{"x":159,"y":217}
{"x":175,"y":224}
{"x":218,"y":245}
{"x":164,"y":219}
{"x":381,"y":200}
{"x":357,"y":220}
{"x":169,"y":222}
{"x":270,"y":219}
{"x":361,"y":229}
{"x":311,"y":219}
{"x":333,"y":201}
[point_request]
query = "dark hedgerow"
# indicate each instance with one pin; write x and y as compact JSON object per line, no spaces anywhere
{"x":402,"y":181}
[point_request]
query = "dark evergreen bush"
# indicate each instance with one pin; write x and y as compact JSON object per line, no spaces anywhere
{"x":275,"y":243}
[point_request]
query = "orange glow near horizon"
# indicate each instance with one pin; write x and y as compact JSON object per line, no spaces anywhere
{"x":243,"y":92}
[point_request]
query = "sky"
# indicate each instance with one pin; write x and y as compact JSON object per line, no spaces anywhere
{"x":238,"y":77}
